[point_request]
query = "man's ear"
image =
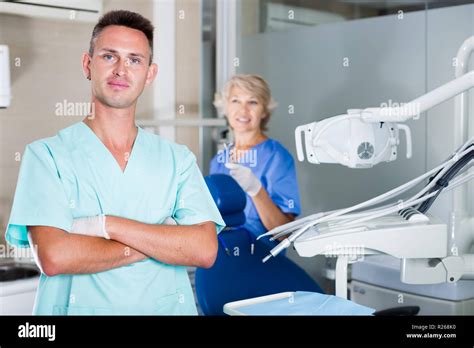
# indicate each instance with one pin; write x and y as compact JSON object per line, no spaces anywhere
{"x":152,"y":72}
{"x":86,"y":60}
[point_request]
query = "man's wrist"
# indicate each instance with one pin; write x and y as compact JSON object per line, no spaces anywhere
{"x":111,"y":226}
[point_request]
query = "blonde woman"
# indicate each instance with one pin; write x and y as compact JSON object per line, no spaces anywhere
{"x":261,"y":166}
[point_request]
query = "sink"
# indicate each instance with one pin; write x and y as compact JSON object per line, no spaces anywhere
{"x":16,"y":271}
{"x":18,"y":284}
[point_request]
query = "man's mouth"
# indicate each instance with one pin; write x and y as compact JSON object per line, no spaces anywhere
{"x":118,"y":84}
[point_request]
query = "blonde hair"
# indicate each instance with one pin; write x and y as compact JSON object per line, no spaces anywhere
{"x":253,"y":84}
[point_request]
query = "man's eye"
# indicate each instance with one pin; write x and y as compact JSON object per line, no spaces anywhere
{"x":234,"y":100}
{"x":135,"y":61}
{"x":253,"y":102}
{"x":108,"y":57}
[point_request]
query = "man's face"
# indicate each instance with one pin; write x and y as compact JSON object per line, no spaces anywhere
{"x":119,"y":68}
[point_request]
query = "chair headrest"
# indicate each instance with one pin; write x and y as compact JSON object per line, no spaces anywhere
{"x":229,"y":198}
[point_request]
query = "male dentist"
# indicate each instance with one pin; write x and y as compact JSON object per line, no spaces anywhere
{"x":93,"y":199}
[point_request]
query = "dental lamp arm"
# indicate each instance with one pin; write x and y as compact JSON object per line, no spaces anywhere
{"x":421,"y":104}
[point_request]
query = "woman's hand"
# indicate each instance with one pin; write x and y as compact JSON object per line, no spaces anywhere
{"x":268,"y":211}
{"x":245,"y":178}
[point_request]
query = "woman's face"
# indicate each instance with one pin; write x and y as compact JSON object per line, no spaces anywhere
{"x":244,"y":111}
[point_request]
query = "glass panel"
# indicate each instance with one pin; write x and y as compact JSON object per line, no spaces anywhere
{"x":283,"y":15}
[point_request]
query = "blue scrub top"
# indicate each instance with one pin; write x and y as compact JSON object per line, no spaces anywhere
{"x":73,"y":175}
{"x":275,"y":168}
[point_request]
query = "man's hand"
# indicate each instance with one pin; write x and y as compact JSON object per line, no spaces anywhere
{"x":169,"y":221}
{"x":245,"y":178}
{"x":93,"y":226}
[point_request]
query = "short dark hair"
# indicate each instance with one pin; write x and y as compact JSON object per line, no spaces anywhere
{"x":127,"y":19}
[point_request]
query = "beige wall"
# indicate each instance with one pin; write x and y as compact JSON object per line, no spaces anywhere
{"x":188,"y":57}
{"x":49,"y":72}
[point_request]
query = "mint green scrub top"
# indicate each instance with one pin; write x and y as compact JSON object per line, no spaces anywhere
{"x":73,"y":175}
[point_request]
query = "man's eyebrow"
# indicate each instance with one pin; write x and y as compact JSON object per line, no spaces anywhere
{"x":115,"y":51}
{"x":137,"y":55}
{"x":108,"y":50}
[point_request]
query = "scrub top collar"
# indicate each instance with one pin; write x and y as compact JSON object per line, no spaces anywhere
{"x":95,"y":148}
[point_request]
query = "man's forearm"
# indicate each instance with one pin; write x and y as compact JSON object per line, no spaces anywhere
{"x":194,"y":245}
{"x":60,"y":252}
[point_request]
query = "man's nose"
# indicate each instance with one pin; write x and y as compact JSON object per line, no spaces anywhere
{"x":120,"y":68}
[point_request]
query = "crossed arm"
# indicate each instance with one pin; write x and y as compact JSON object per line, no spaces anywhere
{"x":130,"y":241}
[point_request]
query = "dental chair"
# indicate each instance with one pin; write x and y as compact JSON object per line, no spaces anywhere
{"x":238,"y":272}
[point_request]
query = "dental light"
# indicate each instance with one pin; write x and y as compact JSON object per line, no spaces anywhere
{"x":363,"y":138}
{"x":348,"y":140}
